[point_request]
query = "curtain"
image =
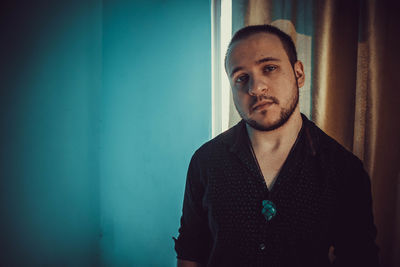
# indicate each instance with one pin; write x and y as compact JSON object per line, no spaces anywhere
{"x":351,"y":51}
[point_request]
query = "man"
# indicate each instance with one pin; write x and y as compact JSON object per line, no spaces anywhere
{"x":274,"y":190}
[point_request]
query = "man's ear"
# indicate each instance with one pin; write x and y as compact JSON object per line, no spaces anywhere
{"x":299,"y":73}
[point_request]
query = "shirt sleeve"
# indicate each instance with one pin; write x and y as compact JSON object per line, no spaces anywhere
{"x":354,"y":238}
{"x":194,"y":240}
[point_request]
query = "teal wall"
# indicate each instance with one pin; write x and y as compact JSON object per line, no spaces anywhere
{"x":49,"y":186}
{"x":157,"y":110}
{"x":102,"y":104}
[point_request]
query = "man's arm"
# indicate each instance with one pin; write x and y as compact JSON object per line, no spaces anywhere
{"x":356,"y":232}
{"x":193,"y":242}
{"x":185,"y":263}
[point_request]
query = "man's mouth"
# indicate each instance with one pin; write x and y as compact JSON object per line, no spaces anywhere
{"x":262,"y":104}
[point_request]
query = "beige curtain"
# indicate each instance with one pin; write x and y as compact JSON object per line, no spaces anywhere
{"x":355,"y":92}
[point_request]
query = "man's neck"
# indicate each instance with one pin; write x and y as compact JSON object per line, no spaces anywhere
{"x":279,"y":139}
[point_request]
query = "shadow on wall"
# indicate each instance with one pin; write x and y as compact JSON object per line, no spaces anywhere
{"x":102,"y":105}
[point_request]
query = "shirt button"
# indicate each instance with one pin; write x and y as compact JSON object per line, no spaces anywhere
{"x":262,"y":246}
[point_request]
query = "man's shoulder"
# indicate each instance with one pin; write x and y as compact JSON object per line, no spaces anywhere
{"x":220,"y":144}
{"x":331,"y":150}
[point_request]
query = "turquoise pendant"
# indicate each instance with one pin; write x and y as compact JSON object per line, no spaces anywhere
{"x":269,"y":209}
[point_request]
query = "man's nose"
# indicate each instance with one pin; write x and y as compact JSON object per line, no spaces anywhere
{"x":257,"y":86}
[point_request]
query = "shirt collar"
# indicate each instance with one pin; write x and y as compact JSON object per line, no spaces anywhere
{"x":238,"y":140}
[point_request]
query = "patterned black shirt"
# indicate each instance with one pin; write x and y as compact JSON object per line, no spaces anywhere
{"x":322,"y":197}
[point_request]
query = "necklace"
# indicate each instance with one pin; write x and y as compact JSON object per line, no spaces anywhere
{"x":269,"y":208}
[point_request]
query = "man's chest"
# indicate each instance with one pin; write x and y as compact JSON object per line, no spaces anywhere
{"x":270,"y":165}
{"x":304,"y":198}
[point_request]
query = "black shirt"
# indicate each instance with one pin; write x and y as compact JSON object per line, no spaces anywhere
{"x":322,"y":197}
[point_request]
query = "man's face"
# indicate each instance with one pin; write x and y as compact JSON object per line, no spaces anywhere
{"x":264,"y":85}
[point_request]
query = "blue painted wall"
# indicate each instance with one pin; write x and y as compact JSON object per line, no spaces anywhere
{"x":157,"y":111}
{"x":49,"y":186}
{"x":102,"y":104}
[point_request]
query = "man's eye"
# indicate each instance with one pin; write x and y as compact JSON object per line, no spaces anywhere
{"x":241,"y":79}
{"x":269,"y":68}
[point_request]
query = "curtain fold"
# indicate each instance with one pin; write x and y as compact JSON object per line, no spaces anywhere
{"x":352,"y":55}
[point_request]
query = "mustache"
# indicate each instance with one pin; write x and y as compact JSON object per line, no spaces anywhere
{"x":258,"y":99}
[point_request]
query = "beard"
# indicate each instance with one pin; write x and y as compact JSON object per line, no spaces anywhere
{"x":284,"y":115}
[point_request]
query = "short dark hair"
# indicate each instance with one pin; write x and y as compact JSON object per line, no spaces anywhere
{"x":248,"y":31}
